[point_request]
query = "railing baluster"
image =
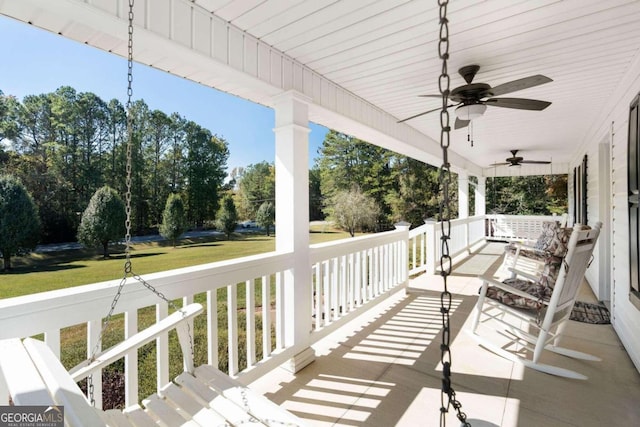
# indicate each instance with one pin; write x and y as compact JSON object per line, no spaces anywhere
{"x":162,"y":349}
{"x":279,"y":311}
{"x":318,"y":295}
{"x":357,"y":282}
{"x":130,"y":360}
{"x":266,"y":316}
{"x":93,"y":335}
{"x":212,"y":327}
{"x":327,"y":297}
{"x":250,"y":311}
{"x":232,"y":320}
{"x":351,"y":282}
{"x":343,"y":285}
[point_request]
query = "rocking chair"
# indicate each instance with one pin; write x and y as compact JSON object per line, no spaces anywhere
{"x":529,"y":256}
{"x":203,"y":396}
{"x":540,"y":304}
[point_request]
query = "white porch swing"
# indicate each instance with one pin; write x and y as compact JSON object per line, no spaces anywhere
{"x":202,"y":396}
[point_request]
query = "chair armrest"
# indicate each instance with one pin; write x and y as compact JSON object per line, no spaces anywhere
{"x":114,"y":353}
{"x":524,"y":274}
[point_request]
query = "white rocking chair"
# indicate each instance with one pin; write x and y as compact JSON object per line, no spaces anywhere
{"x":203,"y":396}
{"x":541,"y":329}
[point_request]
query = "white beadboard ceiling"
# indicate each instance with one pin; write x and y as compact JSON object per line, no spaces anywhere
{"x":385,"y":52}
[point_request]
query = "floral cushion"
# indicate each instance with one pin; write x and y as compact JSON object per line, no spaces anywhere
{"x":552,"y":256}
{"x":534,"y":289}
{"x":549,"y":229}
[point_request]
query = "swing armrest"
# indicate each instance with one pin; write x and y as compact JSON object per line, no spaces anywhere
{"x":486,"y":281}
{"x":114,"y":353}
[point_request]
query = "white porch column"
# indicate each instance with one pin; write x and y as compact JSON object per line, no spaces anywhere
{"x":463,"y":195}
{"x":481,"y":196}
{"x":292,"y":219}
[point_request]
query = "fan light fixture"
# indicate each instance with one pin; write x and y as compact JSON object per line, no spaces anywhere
{"x":470,"y":111}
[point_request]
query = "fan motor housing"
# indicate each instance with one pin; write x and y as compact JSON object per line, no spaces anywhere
{"x":471,"y":92}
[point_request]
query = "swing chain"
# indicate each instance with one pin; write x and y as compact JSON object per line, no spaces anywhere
{"x":447,"y":394}
{"x":127,"y":237}
{"x":127,"y":265}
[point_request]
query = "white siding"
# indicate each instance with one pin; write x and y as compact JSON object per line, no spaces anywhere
{"x":613,"y":124}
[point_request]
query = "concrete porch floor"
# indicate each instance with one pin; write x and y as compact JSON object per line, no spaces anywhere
{"x":383,"y":368}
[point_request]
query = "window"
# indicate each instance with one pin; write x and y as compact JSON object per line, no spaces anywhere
{"x":633,"y":181}
{"x":580,"y":193}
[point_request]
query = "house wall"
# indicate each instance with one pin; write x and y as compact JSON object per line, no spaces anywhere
{"x":612,"y":126}
{"x":593,"y":213}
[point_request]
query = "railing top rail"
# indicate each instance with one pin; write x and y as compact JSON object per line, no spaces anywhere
{"x":458,"y":221}
{"x":72,"y":306}
{"x":322,"y":251}
{"x":524,"y":217}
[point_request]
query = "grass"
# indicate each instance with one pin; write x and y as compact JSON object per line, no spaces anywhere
{"x":58,"y":270}
{"x":49,"y":271}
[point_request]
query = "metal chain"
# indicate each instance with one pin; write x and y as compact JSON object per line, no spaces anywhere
{"x":447,"y":394}
{"x":127,"y":240}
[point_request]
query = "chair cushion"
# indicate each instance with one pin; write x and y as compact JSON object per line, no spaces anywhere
{"x":532,"y":288}
{"x":547,"y":237}
{"x":550,"y":271}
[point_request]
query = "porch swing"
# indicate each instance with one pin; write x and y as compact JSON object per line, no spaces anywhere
{"x":202,"y":396}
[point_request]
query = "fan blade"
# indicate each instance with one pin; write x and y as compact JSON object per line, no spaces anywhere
{"x":499,"y":164}
{"x":461,"y":123}
{"x":422,"y":114}
{"x":430,"y":96}
{"x":536,"y":162}
{"x":518,"y":103}
{"x":520,"y":84}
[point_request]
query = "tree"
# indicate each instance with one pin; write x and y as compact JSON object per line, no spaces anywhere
{"x":227,"y":216}
{"x":266,"y":215}
{"x":346,"y":161}
{"x":103,"y":221}
{"x":417,"y":196}
{"x":174,"y":220}
{"x":256,"y":185}
{"x":315,"y":194}
{"x":160,"y":139}
{"x":206,"y":162}
{"x":352,"y":209}
{"x":527,"y":195}
{"x":19,"y":221}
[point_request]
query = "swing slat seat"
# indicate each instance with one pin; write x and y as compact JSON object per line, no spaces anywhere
{"x":541,"y":329}
{"x":204,"y":396}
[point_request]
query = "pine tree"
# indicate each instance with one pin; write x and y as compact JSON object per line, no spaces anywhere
{"x":19,"y":222}
{"x":227,"y":216}
{"x":174,"y":220}
{"x":266,"y":215}
{"x":103,"y":221}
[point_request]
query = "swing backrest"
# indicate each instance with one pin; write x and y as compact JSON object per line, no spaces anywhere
{"x":33,"y":375}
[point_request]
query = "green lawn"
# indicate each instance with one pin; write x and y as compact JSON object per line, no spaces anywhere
{"x":58,"y":270}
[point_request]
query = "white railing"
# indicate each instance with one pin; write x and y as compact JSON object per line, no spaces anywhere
{"x":517,"y":227}
{"x":348,"y":274}
{"x":259,"y":276}
{"x":348,"y":277}
{"x":425,"y":242}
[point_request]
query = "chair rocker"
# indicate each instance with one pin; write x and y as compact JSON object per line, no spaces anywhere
{"x":541,"y":310}
{"x":203,"y":396}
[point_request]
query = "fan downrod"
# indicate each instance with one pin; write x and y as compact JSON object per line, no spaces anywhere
{"x":468,"y":72}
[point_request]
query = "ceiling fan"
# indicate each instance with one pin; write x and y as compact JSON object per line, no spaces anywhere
{"x":516,"y":160}
{"x":470,"y":97}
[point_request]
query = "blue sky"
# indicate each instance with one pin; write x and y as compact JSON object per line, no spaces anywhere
{"x":35,"y":61}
